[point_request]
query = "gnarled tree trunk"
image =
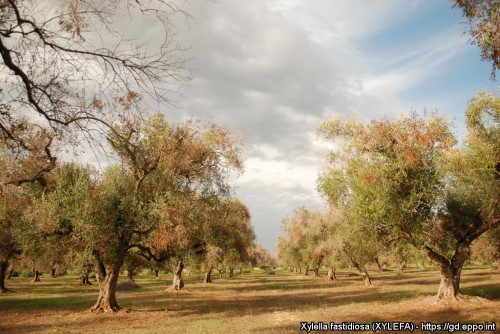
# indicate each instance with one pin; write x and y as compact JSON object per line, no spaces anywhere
{"x":401,"y":266}
{"x":207,"y":276}
{"x":379,"y":265}
{"x":364,"y":274}
{"x":178,"y":283}
{"x":84,"y":279}
{"x":331,"y":274}
{"x":449,"y":287}
{"x":106,"y":301}
{"x":130,"y":274}
{"x":11,"y":271}
{"x":36,"y":278}
{"x":361,"y":268}
{"x":3,"y":270}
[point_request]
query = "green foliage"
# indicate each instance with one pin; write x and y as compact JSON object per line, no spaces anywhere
{"x":384,"y":180}
{"x":401,"y":185}
{"x":483,"y":18}
{"x":305,"y":242}
{"x":26,"y":273}
{"x":166,"y":197}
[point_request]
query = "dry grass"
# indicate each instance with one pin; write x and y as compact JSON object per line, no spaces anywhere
{"x":251,"y":303}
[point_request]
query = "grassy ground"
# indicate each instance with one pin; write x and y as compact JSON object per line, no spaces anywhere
{"x":251,"y":303}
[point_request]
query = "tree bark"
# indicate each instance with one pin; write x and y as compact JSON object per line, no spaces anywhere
{"x":207,"y":276}
{"x":11,"y":271}
{"x":316,"y":271}
{"x":364,"y":274}
{"x":401,"y":266}
{"x":361,"y":268}
{"x":306,"y":272}
{"x":130,"y":274}
{"x":3,"y":270}
{"x":178,"y":283}
{"x":36,"y":278}
{"x":84,"y":279}
{"x":331,"y":274}
{"x":106,"y":302}
{"x":241,"y":270}
{"x":231,"y":272}
{"x":379,"y":265}
{"x":449,"y":287}
{"x":53,"y":272}
{"x":156,"y":271}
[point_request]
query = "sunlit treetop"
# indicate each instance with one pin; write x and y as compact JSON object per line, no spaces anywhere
{"x":484,"y":26}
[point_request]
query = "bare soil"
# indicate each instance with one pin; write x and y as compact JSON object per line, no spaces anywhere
{"x":248,"y":303}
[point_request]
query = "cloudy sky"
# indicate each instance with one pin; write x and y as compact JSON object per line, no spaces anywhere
{"x":273,"y":69}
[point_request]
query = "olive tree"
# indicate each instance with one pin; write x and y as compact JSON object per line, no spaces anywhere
{"x":419,"y":194}
{"x":483,"y":18}
{"x":306,"y":240}
{"x":154,"y":201}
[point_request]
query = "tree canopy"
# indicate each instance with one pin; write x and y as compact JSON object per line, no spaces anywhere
{"x":484,"y":26}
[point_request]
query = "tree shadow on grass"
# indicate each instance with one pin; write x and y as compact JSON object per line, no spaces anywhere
{"x":488,"y":291}
{"x":245,"y":296}
{"x":236,"y":305}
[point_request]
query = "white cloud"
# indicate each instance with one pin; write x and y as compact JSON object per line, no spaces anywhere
{"x":409,"y":69}
{"x":273,"y":69}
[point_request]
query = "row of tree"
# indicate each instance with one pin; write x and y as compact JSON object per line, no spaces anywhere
{"x":167,"y":197}
{"x":75,"y":73}
{"x":404,"y":188}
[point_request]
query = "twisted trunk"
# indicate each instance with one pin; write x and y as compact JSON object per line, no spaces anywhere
{"x":84,"y":279}
{"x":306,"y":272}
{"x":3,"y":270}
{"x":106,"y":302}
{"x":36,"y":278}
{"x":451,"y":270}
{"x":401,"y":267}
{"x":11,"y":271}
{"x":207,"y":276}
{"x":361,"y":268}
{"x":177,"y":283}
{"x":107,"y":278}
{"x":379,"y":265}
{"x":130,"y":274}
{"x":331,"y":274}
